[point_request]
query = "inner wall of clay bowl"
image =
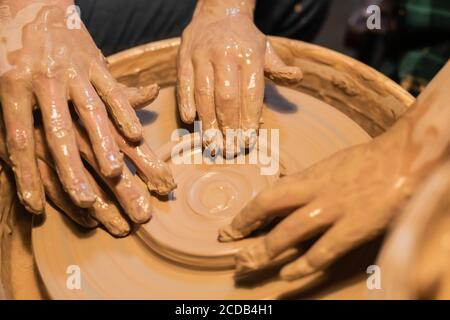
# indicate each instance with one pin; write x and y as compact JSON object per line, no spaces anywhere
{"x":176,"y":255}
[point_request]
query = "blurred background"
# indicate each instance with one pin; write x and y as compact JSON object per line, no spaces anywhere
{"x":411,"y":45}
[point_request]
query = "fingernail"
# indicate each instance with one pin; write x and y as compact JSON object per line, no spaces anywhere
{"x":150,"y":91}
{"x":212,"y":139}
{"x":296,"y":270}
{"x":253,"y":257}
{"x":34,"y":202}
{"x":163,"y":188}
{"x":117,"y":226}
{"x":83,"y":196}
{"x":187,"y":114}
{"x":134,"y":132}
{"x":228,"y":233}
{"x":248,"y":138}
{"x":141,"y":210}
{"x":115,"y":165}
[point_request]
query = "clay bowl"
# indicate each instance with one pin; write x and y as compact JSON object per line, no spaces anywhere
{"x":422,"y":235}
{"x":341,"y":100}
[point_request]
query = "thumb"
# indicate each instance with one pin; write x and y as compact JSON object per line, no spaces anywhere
{"x":140,"y":97}
{"x":276,"y":70}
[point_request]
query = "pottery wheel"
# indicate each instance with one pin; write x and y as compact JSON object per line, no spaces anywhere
{"x":176,"y":255}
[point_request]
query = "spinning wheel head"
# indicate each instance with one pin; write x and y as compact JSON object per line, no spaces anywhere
{"x":210,"y":192}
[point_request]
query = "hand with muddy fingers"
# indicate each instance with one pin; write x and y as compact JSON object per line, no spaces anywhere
{"x":343,"y":201}
{"x":127,"y":191}
{"x":350,"y":197}
{"x":221,"y":65}
{"x":47,"y":63}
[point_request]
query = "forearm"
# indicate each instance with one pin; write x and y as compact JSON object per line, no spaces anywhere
{"x":10,"y":8}
{"x":225,"y":7}
{"x":427,"y":123}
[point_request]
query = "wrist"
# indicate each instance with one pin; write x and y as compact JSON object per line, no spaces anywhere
{"x":423,"y":140}
{"x":10,"y":8}
{"x":223,"y":8}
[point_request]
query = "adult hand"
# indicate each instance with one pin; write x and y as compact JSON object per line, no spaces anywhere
{"x":47,"y":63}
{"x":348,"y":199}
{"x":129,"y":191}
{"x":221,"y":65}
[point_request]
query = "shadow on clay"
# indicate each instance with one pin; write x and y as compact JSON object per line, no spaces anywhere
{"x":76,"y":229}
{"x":343,"y":273}
{"x":276,"y":102}
{"x":146,"y":116}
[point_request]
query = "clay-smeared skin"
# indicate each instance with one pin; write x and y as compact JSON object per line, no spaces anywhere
{"x":352,"y":196}
{"x":130,"y":192}
{"x":221,"y":65}
{"x":48,"y":68}
{"x":54,"y":191}
{"x":155,"y":172}
{"x":104,"y":209}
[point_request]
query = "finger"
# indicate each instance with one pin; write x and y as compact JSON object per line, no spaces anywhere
{"x":132,"y":195}
{"x":185,"y":89}
{"x":140,"y":97}
{"x":59,"y":134}
{"x":337,"y":241}
{"x":204,"y":101}
{"x":130,"y":192}
{"x":154,"y":172}
{"x":92,"y":113}
{"x":118,"y":105}
{"x":17,"y":107}
{"x":287,"y":193}
{"x":42,"y":150}
{"x":59,"y":198}
{"x":106,"y":212}
{"x":299,"y":226}
{"x":227,"y":104}
{"x":252,"y":93}
{"x":275,"y":69}
{"x":226,"y":95}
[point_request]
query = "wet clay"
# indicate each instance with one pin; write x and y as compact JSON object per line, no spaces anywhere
{"x":129,"y":190}
{"x":367,"y":97}
{"x":221,"y":79}
{"x":338,"y":199}
{"x":181,"y":257}
{"x":40,"y":66}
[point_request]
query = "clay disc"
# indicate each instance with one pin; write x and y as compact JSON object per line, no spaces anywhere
{"x":180,"y":257}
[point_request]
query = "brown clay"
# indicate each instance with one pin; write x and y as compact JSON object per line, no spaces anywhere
{"x":129,"y":190}
{"x":338,"y":199}
{"x":222,"y":78}
{"x":156,"y":63}
{"x":39,"y":62}
{"x":183,"y":230}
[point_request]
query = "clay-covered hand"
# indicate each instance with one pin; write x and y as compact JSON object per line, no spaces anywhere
{"x":221,"y":65}
{"x":47,"y":62}
{"x":344,"y":200}
{"x":350,"y":197}
{"x":130,"y":192}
